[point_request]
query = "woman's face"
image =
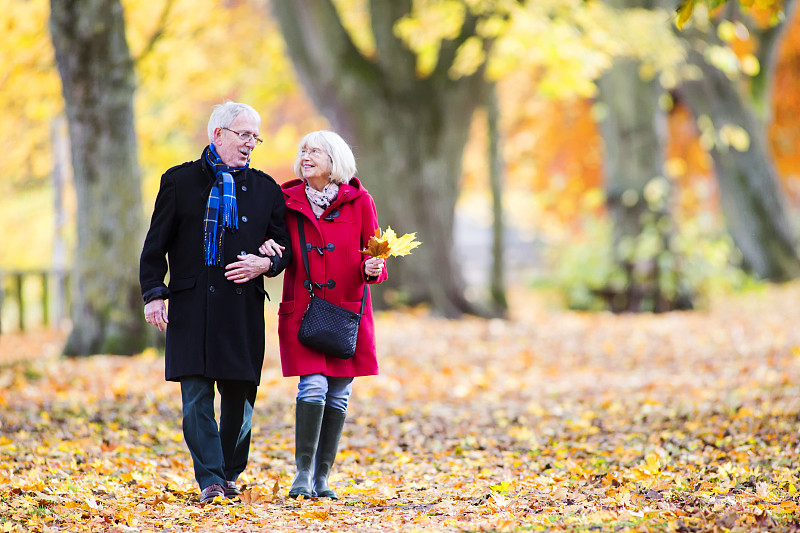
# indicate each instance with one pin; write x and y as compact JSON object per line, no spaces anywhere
{"x":315,"y":164}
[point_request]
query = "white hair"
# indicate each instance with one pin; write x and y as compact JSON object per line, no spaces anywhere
{"x":343,"y":162}
{"x":224,"y":115}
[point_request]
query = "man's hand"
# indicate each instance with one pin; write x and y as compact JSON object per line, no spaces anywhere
{"x":155,"y":312}
{"x":247,"y":268}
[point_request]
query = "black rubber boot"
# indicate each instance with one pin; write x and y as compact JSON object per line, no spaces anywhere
{"x":332,"y":424}
{"x":308,"y":420}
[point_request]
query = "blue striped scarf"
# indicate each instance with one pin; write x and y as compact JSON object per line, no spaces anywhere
{"x":223,"y":190}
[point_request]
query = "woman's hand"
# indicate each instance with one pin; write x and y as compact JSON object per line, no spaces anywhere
{"x":374,"y":266}
{"x":270,"y":248}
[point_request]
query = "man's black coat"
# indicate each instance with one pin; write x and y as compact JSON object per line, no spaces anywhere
{"x":216,"y":326}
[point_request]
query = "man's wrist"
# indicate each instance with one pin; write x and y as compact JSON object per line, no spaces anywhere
{"x":267,"y":264}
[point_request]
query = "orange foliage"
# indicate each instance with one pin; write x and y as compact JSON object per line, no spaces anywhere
{"x":785,"y":129}
{"x":554,"y":147}
{"x":688,"y":165}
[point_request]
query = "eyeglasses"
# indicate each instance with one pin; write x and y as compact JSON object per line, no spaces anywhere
{"x":246,"y":137}
{"x":313,"y":152}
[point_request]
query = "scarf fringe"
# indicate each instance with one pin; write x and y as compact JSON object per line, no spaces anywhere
{"x":211,"y":250}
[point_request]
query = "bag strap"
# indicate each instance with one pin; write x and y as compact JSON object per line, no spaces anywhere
{"x":301,"y":232}
{"x":304,"y":252}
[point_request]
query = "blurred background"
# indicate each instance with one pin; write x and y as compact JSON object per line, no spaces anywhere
{"x":588,"y":149}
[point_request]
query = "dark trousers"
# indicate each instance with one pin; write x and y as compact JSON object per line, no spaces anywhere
{"x":219,"y":453}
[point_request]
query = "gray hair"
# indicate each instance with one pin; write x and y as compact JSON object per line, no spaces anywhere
{"x":343,"y":162}
{"x":224,"y":115}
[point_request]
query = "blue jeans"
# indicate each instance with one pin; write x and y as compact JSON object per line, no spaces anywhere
{"x":332,"y":392}
{"x":219,"y":454}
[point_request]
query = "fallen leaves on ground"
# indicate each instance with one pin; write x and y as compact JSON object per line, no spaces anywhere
{"x":549,"y":421}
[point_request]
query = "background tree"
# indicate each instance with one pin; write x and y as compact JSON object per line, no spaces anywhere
{"x":545,"y":60}
{"x":634,"y":130}
{"x":98,"y":84}
{"x":407,"y":119}
{"x":497,"y":284}
{"x":732,"y":116}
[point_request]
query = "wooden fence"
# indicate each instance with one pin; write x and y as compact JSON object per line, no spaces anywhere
{"x":29,"y":297}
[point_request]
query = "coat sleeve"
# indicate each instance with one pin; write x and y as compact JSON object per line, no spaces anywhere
{"x":369,"y":223}
{"x":278,"y":232}
{"x":153,"y":261}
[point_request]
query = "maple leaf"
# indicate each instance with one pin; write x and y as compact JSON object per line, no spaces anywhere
{"x":256,"y":496}
{"x":377,"y":246}
{"x":382,"y":245}
{"x":160,"y":498}
{"x":401,"y":245}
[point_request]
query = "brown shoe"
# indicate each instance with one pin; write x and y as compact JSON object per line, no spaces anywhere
{"x":211,"y":492}
{"x":231,"y":490}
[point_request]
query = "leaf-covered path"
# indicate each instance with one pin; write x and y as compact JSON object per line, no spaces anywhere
{"x":549,"y":421}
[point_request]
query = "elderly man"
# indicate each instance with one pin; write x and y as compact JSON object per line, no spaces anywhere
{"x":210,"y":217}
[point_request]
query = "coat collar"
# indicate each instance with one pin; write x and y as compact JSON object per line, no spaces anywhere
{"x":295,"y":193}
{"x":238,"y":176}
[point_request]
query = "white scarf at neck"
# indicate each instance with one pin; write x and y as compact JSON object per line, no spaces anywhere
{"x":321,"y":200}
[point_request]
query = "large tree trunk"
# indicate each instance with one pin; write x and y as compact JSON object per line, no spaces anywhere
{"x":750,"y":194}
{"x":634,"y":132}
{"x":408,"y":134}
{"x":98,"y":85}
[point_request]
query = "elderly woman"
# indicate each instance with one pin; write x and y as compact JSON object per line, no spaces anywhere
{"x":338,"y":217}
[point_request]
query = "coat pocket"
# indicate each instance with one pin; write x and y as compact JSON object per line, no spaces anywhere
{"x":286,"y":308}
{"x":352,"y":306}
{"x":177,"y":285}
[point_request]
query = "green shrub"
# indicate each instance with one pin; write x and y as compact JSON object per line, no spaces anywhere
{"x":694,"y":264}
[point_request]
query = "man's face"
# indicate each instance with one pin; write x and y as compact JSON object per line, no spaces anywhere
{"x":232,"y":149}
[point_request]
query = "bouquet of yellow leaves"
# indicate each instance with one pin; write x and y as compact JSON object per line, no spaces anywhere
{"x":384,"y":244}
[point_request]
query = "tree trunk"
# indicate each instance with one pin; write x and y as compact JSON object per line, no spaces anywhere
{"x":98,"y":85}
{"x":750,"y":194}
{"x":408,"y":134}
{"x":497,"y":285}
{"x":61,"y":166}
{"x":634,"y":132}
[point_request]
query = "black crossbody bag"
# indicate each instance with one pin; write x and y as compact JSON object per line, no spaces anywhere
{"x":327,"y":327}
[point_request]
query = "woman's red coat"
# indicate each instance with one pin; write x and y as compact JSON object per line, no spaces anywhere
{"x":349,"y":233}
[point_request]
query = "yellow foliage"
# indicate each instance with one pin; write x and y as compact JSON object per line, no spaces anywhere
{"x":355,"y":18}
{"x":194,"y":65}
{"x":547,"y":48}
{"x":389,"y":244}
{"x":684,"y":13}
{"x":469,"y":58}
